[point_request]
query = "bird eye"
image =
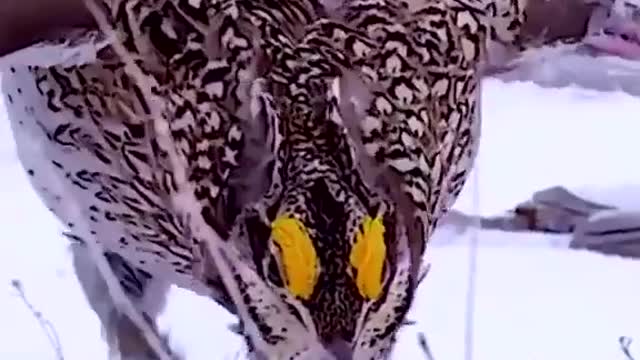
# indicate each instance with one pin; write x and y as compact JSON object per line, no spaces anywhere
{"x":299,"y":262}
{"x":368,"y":258}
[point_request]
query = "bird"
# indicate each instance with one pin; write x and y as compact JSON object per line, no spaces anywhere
{"x":315,"y":143}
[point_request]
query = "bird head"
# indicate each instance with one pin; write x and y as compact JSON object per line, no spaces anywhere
{"x":329,"y":255}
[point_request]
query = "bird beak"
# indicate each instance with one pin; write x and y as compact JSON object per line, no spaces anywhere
{"x":340,"y":349}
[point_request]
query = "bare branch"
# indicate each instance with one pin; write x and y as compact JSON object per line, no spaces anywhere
{"x":424,"y":346}
{"x":45,"y":325}
{"x":469,"y":316}
{"x":625,"y":343}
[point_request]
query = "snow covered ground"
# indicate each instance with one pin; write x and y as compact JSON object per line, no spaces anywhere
{"x":536,"y":300}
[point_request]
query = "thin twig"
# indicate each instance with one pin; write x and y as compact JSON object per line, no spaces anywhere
{"x":424,"y":346}
{"x":46,"y":326}
{"x":473,"y":272}
{"x":625,"y":343}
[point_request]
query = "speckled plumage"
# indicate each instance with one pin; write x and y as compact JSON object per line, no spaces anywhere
{"x":328,"y":114}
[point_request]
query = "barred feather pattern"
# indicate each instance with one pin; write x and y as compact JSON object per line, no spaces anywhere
{"x":326,"y":113}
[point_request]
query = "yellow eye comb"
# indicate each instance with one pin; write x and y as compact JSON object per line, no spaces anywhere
{"x":367,"y":257}
{"x":299,"y":257}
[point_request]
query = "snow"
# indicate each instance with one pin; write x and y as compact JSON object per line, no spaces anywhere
{"x":535,"y":300}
